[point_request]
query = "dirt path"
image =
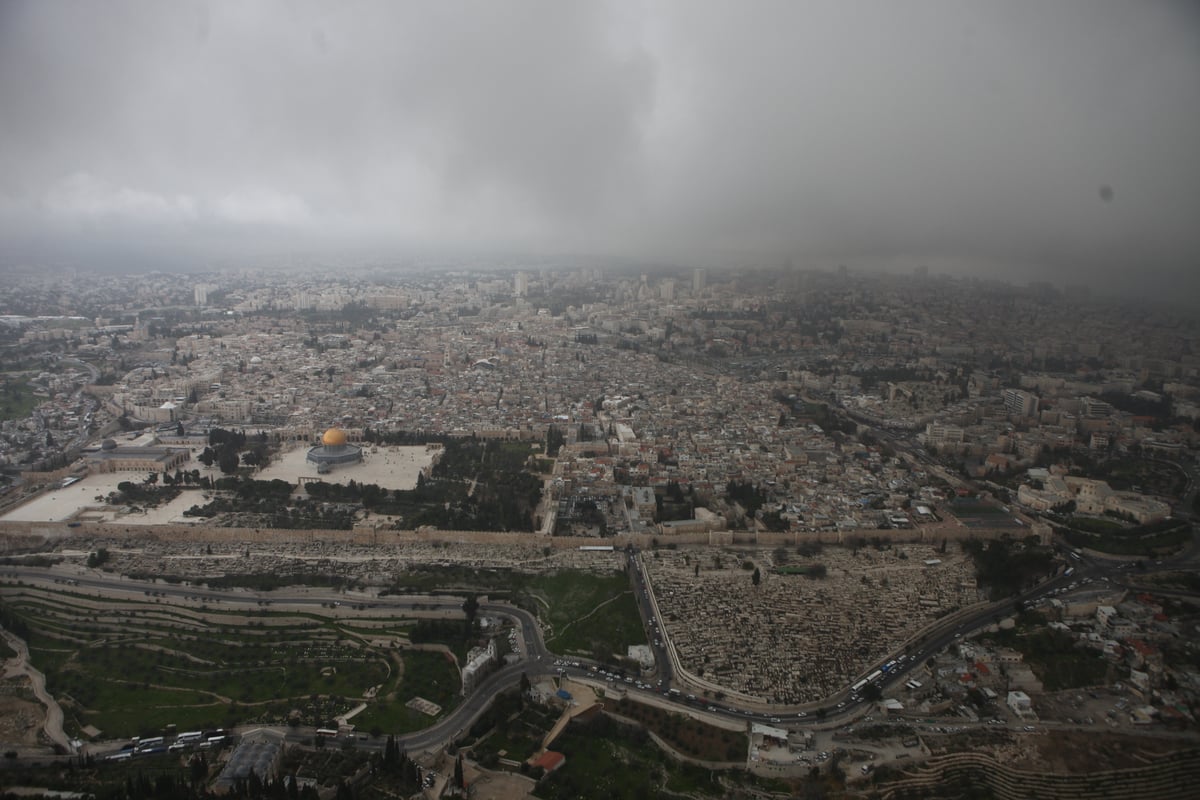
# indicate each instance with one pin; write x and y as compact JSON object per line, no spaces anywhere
{"x":54,"y":715}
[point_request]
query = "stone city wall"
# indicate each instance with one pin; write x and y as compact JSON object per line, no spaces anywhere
{"x":53,"y":475}
{"x":366,"y":536}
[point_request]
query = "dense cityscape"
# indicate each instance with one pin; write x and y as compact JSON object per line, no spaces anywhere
{"x":860,"y":517}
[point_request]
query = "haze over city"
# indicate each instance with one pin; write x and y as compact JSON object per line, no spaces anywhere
{"x":599,"y":401}
{"x":1019,"y":141}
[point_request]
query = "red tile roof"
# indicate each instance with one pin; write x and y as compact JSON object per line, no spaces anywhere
{"x":550,"y":760}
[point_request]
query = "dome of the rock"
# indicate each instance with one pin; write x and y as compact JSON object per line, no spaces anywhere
{"x":334,"y":450}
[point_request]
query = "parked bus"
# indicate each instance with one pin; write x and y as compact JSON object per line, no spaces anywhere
{"x":327,"y":732}
{"x":189,"y":736}
{"x":150,"y":743}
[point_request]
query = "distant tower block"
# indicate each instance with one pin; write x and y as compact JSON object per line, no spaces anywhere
{"x":201,"y":291}
{"x":699,"y":280}
{"x":521,"y":284}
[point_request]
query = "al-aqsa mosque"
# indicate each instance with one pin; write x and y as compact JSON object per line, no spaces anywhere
{"x":334,"y":450}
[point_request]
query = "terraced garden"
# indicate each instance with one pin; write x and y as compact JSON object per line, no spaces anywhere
{"x":128,"y":668}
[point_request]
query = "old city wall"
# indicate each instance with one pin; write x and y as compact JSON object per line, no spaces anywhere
{"x":17,"y":535}
{"x":53,"y":475}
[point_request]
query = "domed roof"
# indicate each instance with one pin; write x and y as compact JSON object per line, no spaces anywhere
{"x":108,"y":444}
{"x":334,"y":437}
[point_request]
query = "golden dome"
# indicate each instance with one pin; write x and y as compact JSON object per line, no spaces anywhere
{"x":334,"y":437}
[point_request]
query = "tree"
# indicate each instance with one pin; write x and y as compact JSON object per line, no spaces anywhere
{"x":756,"y":578}
{"x":555,"y":439}
{"x":199,"y":768}
{"x":228,"y":460}
{"x":255,"y":785}
{"x":207,"y":457}
{"x":391,"y":753}
{"x":470,"y":607}
{"x":458,"y":773}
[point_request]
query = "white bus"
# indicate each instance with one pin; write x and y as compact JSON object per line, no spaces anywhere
{"x":327,"y":732}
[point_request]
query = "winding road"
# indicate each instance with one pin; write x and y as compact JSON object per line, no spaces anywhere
{"x":54,"y":714}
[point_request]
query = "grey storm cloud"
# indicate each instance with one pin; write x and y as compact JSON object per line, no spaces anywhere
{"x":1033,"y":138}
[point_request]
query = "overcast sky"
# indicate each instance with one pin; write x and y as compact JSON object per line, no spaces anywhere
{"x":1051,"y":139}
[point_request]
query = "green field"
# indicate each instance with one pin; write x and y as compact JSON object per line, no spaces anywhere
{"x":1109,"y":536}
{"x":608,"y":759}
{"x":17,"y":399}
{"x":431,"y":676}
{"x":1096,"y":525}
{"x":591,"y":615}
